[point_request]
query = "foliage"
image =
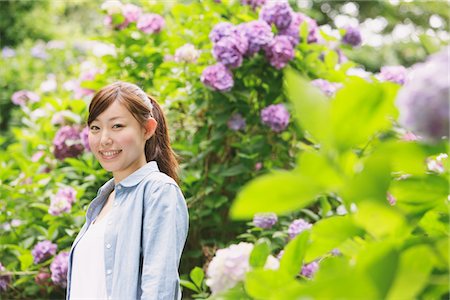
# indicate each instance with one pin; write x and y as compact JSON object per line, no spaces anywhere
{"x":343,"y":152}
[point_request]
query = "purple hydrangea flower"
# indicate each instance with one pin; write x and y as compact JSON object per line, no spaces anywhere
{"x":423,"y":101}
{"x":352,"y":36}
{"x":8,"y":52}
{"x":395,"y":74}
{"x":308,"y":270}
{"x":39,"y":51}
{"x":265,"y":220}
{"x":131,"y":13}
{"x":278,"y":13}
{"x":22,"y":97}
{"x":221,"y":30}
{"x":280,"y":51}
{"x":67,"y":143}
{"x":84,"y":135}
{"x":236,"y":122}
{"x":253,"y":3}
{"x":58,"y":267}
{"x":4,"y":279}
{"x":229,"y":50}
{"x":276,"y":116}
{"x":293,"y":31}
{"x":258,"y":34}
{"x":150,"y":23}
{"x":328,"y":88}
{"x":297,"y":226}
{"x":218,"y":77}
{"x":62,"y":201}
{"x":43,"y":250}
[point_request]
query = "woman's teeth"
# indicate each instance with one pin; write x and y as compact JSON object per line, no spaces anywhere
{"x":110,"y":154}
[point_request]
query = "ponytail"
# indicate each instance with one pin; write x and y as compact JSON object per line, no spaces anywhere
{"x":158,"y":146}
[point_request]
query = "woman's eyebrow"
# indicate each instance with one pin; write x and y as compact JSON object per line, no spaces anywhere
{"x":111,"y":119}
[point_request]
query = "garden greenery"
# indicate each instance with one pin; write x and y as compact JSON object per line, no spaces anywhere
{"x":347,"y":194}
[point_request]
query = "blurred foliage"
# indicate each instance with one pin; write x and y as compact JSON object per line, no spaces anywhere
{"x":217,"y":162}
{"x":47,"y":20}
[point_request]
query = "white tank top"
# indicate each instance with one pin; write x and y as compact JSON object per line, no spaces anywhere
{"x":88,"y":268}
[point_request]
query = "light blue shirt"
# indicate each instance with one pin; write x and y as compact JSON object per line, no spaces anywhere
{"x":146,"y":230}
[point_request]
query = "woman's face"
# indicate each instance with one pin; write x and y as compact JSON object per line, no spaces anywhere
{"x":118,"y":140}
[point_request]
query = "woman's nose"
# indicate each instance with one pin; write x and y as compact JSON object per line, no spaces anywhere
{"x":105,"y":138}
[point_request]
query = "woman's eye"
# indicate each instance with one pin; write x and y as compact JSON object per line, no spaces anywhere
{"x":117,"y":126}
{"x":94,"y":128}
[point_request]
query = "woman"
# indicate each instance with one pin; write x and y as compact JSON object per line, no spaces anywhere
{"x":136,"y":227}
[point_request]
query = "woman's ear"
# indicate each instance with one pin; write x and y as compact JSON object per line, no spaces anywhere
{"x":150,"y":128}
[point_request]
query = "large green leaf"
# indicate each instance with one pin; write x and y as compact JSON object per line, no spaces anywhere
{"x":261,"y":284}
{"x":279,"y":192}
{"x":335,"y":279}
{"x":259,"y":254}
{"x":329,"y":233}
{"x":371,"y":182}
{"x":413,"y":272}
{"x":379,"y":261}
{"x":311,"y":107}
{"x":359,"y":110}
{"x":381,"y":220}
{"x":294,"y":252}
{"x":418,"y":194}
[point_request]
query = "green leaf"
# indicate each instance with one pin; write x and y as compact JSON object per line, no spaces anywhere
{"x":311,"y":107}
{"x":431,"y":44}
{"x":335,"y":279}
{"x":259,"y":254}
{"x":413,"y":272}
{"x":279,"y":193}
{"x":26,"y":260}
{"x":359,"y":110}
{"x":197,"y":276}
{"x":371,"y":182}
{"x":294,"y":252}
{"x":379,"y":260}
{"x":189,"y":285}
{"x":381,"y":220}
{"x":329,"y":233}
{"x":405,"y":157}
{"x":418,"y":194}
{"x":261,"y":284}
{"x":328,"y":179}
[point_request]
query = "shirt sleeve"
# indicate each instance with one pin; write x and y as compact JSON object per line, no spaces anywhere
{"x":165,"y":227}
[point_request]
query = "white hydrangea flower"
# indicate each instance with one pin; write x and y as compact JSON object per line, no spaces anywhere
{"x":230,"y":265}
{"x":112,"y":7}
{"x":186,"y":53}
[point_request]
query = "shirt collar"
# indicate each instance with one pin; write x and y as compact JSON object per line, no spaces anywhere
{"x":132,"y":179}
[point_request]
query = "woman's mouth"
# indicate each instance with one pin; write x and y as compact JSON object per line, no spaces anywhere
{"x":110,"y":154}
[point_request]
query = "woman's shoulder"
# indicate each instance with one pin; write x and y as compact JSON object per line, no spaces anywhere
{"x":156,"y":180}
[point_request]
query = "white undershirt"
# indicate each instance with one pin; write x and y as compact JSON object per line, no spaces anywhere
{"x":88,"y":268}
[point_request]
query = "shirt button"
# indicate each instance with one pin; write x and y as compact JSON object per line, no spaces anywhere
{"x":108,"y":246}
{"x":115,"y":203}
{"x":109,"y":222}
{"x":119,"y":187}
{"x":109,"y":272}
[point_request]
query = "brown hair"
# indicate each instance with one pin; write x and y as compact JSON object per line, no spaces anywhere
{"x":141,"y":106}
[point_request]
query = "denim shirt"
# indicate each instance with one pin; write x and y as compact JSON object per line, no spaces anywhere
{"x":146,"y":230}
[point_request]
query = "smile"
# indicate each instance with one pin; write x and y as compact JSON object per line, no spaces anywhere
{"x":110,"y":154}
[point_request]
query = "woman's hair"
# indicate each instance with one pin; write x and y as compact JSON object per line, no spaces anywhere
{"x":141,"y":106}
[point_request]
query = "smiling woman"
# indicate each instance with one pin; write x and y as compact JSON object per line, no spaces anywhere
{"x":136,"y":227}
